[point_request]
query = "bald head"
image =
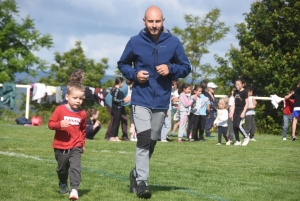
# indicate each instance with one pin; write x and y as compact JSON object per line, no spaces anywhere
{"x":153,"y":11}
{"x":154,"y":21}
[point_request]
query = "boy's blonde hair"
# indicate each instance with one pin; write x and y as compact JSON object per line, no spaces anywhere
{"x":225,"y":100}
{"x":75,"y":85}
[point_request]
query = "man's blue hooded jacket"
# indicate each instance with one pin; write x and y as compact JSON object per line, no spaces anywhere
{"x":141,"y":53}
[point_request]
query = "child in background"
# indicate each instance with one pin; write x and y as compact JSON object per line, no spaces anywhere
{"x":117,"y":107}
{"x":296,"y":111}
{"x":175,"y":105}
{"x":230,"y":122}
{"x":69,"y":123}
{"x":194,"y":115}
{"x":239,"y":109}
{"x":203,"y":113}
{"x":250,"y":126}
{"x":184,"y":108}
{"x":92,"y":123}
{"x":288,"y":107}
{"x":221,"y":120}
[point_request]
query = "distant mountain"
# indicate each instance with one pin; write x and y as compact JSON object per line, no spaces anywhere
{"x":19,"y":77}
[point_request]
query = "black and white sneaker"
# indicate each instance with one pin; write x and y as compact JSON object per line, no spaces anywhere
{"x":293,"y":138}
{"x":143,"y":191}
{"x":133,"y":184}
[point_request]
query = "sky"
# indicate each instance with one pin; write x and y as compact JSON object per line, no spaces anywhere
{"x":105,"y":26}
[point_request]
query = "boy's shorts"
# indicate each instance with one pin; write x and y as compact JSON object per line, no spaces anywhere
{"x":296,"y":113}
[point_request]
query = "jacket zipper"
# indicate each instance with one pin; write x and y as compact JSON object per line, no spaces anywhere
{"x":154,"y":72}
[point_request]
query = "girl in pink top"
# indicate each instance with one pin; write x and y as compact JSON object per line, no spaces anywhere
{"x":184,"y":108}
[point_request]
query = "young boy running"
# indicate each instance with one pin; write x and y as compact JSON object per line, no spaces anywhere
{"x":69,"y":123}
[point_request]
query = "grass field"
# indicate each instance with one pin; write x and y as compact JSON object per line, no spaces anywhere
{"x":267,"y":169}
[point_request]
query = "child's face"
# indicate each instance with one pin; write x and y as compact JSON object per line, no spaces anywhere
{"x":198,"y":92}
{"x":187,"y":90}
{"x":211,"y":90}
{"x":239,"y":85}
{"x":221,"y":104}
{"x":250,"y":93}
{"x":174,"y":85}
{"x":95,"y":116}
{"x":75,"y":98}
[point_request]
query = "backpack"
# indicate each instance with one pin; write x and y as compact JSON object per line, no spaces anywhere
{"x":22,"y":121}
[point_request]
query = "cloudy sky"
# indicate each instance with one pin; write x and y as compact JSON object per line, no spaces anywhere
{"x":105,"y":26}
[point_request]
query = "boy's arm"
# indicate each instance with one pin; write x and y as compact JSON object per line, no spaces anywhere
{"x":54,"y":121}
{"x":83,"y":128}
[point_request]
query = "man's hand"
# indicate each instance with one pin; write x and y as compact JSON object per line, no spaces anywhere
{"x":142,"y":76}
{"x":163,"y":69}
{"x":64,"y":123}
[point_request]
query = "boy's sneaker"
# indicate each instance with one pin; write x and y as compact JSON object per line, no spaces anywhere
{"x":252,"y":139}
{"x":237,"y":143}
{"x":133,"y":184}
{"x":218,"y":144}
{"x":63,"y":188}
{"x":293,"y":138}
{"x":164,"y":140}
{"x":73,"y":195}
{"x":143,"y":191}
{"x":228,"y":142}
{"x":246,"y":141}
{"x":284,"y":138}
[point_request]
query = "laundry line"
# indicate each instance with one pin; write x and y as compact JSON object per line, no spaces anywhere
{"x":28,"y":87}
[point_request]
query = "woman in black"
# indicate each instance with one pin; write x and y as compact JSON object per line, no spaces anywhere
{"x":239,"y":109}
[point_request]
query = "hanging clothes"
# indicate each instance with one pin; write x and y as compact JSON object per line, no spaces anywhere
{"x":8,"y":94}
{"x":58,"y":94}
{"x":39,"y":92}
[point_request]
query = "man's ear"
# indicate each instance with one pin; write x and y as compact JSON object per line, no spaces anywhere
{"x":144,"y":20}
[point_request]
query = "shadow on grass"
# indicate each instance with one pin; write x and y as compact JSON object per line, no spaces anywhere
{"x":82,"y":192}
{"x":165,"y":188}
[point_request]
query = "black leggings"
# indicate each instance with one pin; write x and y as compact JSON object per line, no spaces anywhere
{"x":222,"y":131}
{"x":237,"y":125}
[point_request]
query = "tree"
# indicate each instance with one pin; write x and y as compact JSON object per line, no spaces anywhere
{"x":74,"y":59}
{"x":18,"y":42}
{"x":269,"y":54}
{"x":197,"y":37}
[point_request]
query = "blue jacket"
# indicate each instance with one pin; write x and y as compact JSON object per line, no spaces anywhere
{"x":146,"y":55}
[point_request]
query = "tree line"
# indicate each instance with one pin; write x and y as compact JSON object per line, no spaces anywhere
{"x":268,"y":55}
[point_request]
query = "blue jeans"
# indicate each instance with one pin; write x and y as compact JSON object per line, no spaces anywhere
{"x":286,"y":120}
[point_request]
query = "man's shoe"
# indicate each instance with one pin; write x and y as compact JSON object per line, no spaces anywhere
{"x":133,"y":184}
{"x":63,"y":188}
{"x":73,"y":195}
{"x":125,"y":139}
{"x":237,"y":143}
{"x":143,"y":191}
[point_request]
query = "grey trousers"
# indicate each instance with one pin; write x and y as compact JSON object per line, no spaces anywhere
{"x":166,"y":126}
{"x":250,"y":126}
{"x":69,"y":164}
{"x":286,"y":120}
{"x":148,"y":124}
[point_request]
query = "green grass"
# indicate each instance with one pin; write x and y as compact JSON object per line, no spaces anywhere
{"x":267,"y":169}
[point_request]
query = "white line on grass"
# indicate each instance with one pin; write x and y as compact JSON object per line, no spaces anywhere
{"x":188,"y":191}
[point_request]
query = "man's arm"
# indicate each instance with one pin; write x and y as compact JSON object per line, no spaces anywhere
{"x":181,"y":66}
{"x":125,"y":63}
